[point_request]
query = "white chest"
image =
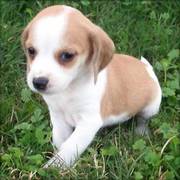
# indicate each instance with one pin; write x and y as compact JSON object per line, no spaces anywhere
{"x":75,"y":103}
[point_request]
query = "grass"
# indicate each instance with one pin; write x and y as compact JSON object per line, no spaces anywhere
{"x":148,"y":28}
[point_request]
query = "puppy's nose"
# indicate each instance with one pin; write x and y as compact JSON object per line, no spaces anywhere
{"x":40,"y":83}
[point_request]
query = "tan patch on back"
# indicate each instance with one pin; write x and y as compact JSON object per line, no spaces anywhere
{"x":129,"y":87}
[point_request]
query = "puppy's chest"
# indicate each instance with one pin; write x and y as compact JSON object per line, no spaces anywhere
{"x":71,"y":108}
{"x":79,"y":103}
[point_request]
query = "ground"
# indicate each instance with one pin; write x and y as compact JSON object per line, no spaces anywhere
{"x":147,"y":28}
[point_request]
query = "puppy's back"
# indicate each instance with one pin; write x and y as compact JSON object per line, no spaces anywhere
{"x":129,"y":87}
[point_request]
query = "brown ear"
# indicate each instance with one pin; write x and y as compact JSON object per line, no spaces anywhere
{"x":24,"y":37}
{"x":102,"y":50}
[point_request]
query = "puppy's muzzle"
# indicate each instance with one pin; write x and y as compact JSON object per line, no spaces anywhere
{"x":40,"y":83}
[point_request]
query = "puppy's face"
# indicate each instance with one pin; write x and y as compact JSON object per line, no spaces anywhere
{"x":61,"y":46}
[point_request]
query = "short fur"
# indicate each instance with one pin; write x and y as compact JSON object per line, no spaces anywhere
{"x":96,"y":89}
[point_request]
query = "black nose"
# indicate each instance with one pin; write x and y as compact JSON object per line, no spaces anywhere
{"x":40,"y":83}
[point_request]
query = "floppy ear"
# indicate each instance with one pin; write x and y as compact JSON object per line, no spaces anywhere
{"x":24,"y":37}
{"x":102,"y":50}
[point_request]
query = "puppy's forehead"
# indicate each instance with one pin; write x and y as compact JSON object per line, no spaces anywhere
{"x":49,"y":28}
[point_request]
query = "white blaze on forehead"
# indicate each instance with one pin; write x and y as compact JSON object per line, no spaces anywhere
{"x":49,"y":31}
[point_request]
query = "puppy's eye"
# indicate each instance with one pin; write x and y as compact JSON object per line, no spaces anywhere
{"x":66,"y":56}
{"x":31,"y":52}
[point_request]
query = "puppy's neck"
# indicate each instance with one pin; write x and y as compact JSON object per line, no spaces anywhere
{"x":78,"y":91}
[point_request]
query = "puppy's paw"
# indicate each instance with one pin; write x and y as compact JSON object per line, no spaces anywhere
{"x":142,"y":131}
{"x":55,"y":161}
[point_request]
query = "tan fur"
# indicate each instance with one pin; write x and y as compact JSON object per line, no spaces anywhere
{"x":88,"y":39}
{"x":26,"y":37}
{"x":129,"y":87}
{"x":66,"y":64}
{"x":50,"y":11}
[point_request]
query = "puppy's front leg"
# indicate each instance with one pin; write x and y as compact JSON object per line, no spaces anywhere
{"x":75,"y":145}
{"x":61,"y":130}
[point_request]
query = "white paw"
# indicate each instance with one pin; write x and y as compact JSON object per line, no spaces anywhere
{"x":55,"y":161}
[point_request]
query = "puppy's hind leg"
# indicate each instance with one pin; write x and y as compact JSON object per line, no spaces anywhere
{"x":142,"y":126}
{"x":152,"y":108}
{"x":144,"y":116}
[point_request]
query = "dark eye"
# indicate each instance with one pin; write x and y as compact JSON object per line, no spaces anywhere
{"x":66,"y":56}
{"x":31,"y":52}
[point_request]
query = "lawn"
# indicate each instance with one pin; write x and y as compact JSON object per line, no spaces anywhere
{"x":147,"y":28}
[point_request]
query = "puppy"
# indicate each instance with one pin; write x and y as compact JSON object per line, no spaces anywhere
{"x":72,"y":64}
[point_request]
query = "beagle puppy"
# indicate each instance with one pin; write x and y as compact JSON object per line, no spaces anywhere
{"x":72,"y":64}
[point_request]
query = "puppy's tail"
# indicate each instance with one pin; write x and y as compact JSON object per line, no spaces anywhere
{"x":145,"y":61}
{"x":149,"y":69}
{"x":154,"y":77}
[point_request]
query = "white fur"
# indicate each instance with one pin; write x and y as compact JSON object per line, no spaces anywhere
{"x":79,"y":112}
{"x":67,"y":91}
{"x":47,"y":42}
{"x":152,"y":108}
{"x":116,"y":119}
{"x":72,"y":97}
{"x":149,"y":69}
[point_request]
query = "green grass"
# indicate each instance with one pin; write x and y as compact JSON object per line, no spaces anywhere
{"x":148,"y":28}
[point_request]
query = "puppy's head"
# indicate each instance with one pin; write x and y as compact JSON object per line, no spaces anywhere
{"x":61,"y":46}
